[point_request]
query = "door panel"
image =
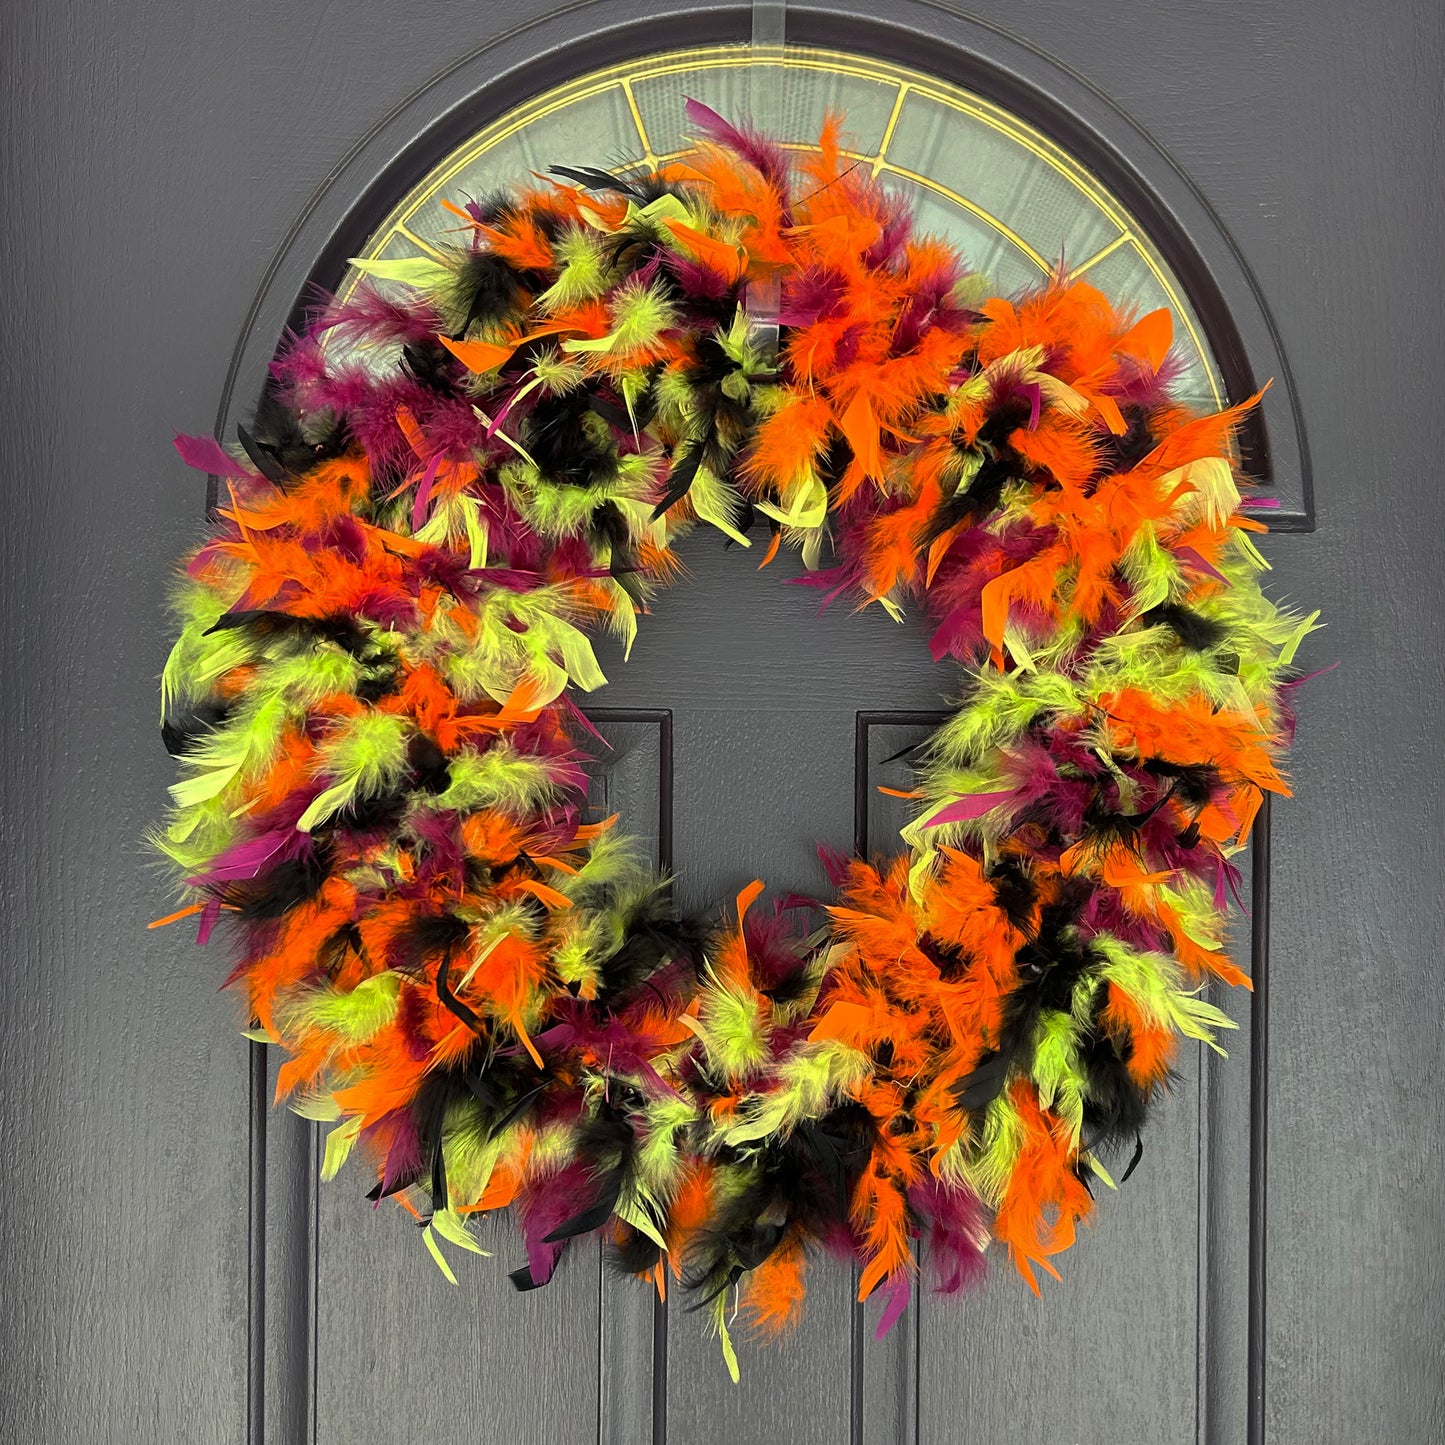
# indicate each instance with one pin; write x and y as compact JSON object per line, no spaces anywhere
{"x":156,"y":157}
{"x":366,"y":1340}
{"x":399,"y":1347}
{"x":1000,"y":1365}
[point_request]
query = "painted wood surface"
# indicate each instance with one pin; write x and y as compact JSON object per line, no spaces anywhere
{"x":156,"y":156}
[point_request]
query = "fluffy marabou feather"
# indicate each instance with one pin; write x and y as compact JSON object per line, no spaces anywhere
{"x":454,"y":485}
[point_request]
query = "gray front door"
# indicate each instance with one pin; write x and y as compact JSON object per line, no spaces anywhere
{"x":171,"y":1272}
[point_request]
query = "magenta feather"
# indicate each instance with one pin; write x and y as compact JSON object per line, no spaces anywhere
{"x":766,"y":155}
{"x":966,"y":809}
{"x":207,"y":455}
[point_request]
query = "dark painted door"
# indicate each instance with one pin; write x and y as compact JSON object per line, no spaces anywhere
{"x":171,"y":1273}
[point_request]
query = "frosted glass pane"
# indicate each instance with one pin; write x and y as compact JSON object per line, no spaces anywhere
{"x":1002,"y":175}
{"x":790,"y":100}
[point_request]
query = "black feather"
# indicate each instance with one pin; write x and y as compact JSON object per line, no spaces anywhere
{"x":1006,"y":417}
{"x":633,"y":1252}
{"x":428,"y":763}
{"x":979,"y":1088}
{"x":380,"y":682}
{"x":506,"y":1086}
{"x":1014,"y":890}
{"x":430,"y":363}
{"x":1115,"y":1107}
{"x":1049,"y":964}
{"x":183,"y":729}
{"x":486,"y":288}
{"x":1194,"y":783}
{"x":608,"y":1141}
{"x":680,"y":479}
{"x":566,"y":449}
{"x":279,"y":889}
{"x":1134,"y":1159}
{"x":282,"y":445}
{"x":951,"y":962}
{"x":979,"y":499}
{"x":423,"y":938}
{"x":345,"y":631}
{"x":592,"y":179}
{"x":1136,"y":443}
{"x":802,"y":1187}
{"x":652,"y":940}
{"x":1194,"y":631}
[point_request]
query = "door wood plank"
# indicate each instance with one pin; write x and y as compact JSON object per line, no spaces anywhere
{"x":998,"y":1366}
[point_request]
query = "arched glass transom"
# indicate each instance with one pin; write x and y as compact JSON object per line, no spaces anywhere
{"x":1013,"y":201}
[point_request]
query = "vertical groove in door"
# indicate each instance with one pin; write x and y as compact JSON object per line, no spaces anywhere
{"x":1258,"y":1128}
{"x":857,"y":1337}
{"x":601,"y":1343}
{"x":256,"y":1254}
{"x":665,"y":861}
{"x":603,"y":1334}
{"x":1202,"y":1320}
{"x":290,"y":1284}
{"x":918,"y":1363}
{"x":313,"y":1285}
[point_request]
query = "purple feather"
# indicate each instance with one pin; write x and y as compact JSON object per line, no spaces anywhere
{"x":207,"y":455}
{"x":209,"y":914}
{"x":1036,"y":400}
{"x":440,"y":835}
{"x":368,"y":316}
{"x":958,"y":632}
{"x":811,"y":297}
{"x":896,"y":1292}
{"x":579,"y":716}
{"x":1105,"y":913}
{"x":403,"y":1149}
{"x":1310,"y":676}
{"x":1191,"y":558}
{"x":246,"y":860}
{"x":612,"y":1039}
{"x":382,"y":606}
{"x":766,"y":155}
{"x":966,"y":809}
{"x":955,"y":1254}
{"x":423,"y":493}
{"x":888,"y":249}
{"x":546,"y":1205}
{"x":698,"y":279}
{"x":835,"y":864}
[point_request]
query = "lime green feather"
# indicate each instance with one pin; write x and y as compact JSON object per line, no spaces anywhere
{"x":355,"y":1016}
{"x":365,"y":755}
{"x":1156,"y":987}
{"x":988,"y":1166}
{"x":732,"y":1029}
{"x":500,"y":777}
{"x":1056,"y":1069}
{"x":583,"y":272}
{"x":807,"y":1084}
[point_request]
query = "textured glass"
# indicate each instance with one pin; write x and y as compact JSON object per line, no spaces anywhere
{"x":1013,"y":201}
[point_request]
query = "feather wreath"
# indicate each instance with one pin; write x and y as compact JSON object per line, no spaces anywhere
{"x":496,"y":1002}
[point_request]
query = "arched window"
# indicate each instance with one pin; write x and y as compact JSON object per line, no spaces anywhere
{"x":1015,"y":202}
